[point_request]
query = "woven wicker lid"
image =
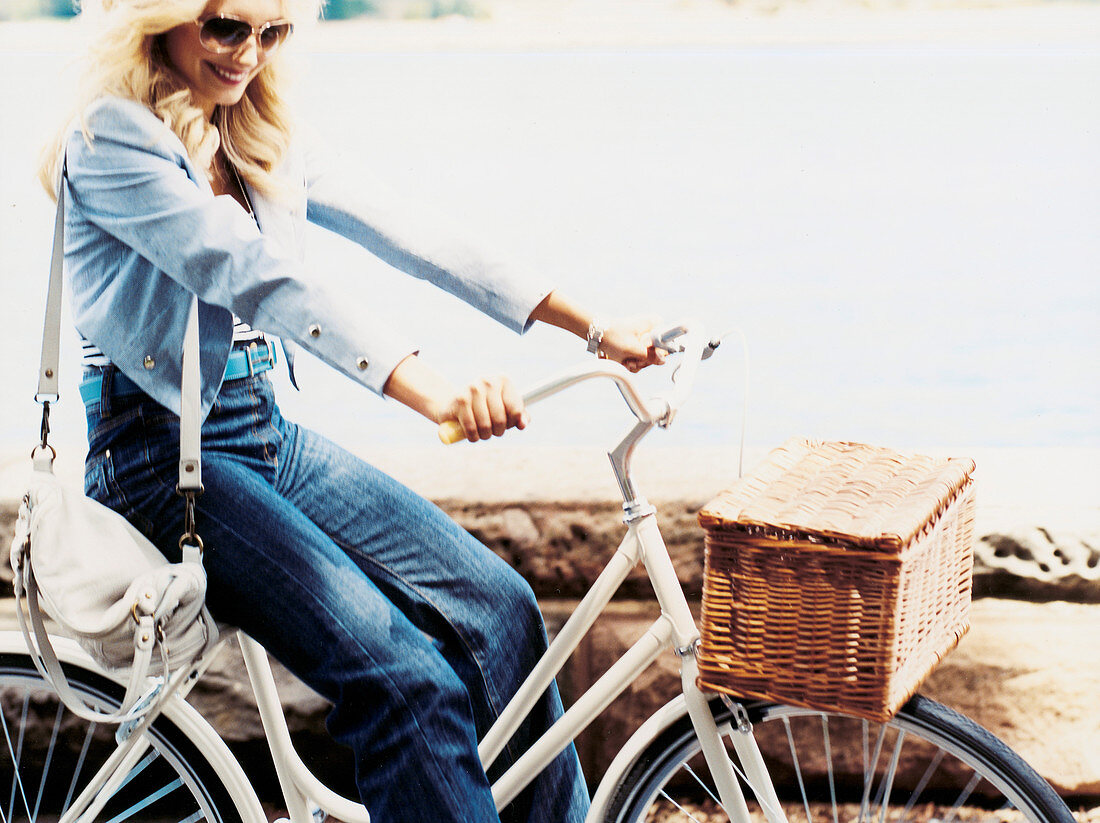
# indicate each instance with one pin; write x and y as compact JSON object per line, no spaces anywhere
{"x":865,"y":495}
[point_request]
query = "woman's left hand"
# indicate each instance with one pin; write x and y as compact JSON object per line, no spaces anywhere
{"x":630,"y":341}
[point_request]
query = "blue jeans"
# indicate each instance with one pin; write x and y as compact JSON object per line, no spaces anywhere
{"x":372,"y":596}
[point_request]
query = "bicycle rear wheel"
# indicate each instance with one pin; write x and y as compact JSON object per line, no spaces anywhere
{"x":48,"y":754}
{"x":928,"y":763}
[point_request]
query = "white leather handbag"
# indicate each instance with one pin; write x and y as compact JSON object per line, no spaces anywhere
{"x":100,"y":580}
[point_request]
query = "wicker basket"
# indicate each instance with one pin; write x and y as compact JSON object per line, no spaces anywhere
{"x":837,"y":576}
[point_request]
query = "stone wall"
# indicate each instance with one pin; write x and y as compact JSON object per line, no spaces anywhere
{"x":1029,"y":669}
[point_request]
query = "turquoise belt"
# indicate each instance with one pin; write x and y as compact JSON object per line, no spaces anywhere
{"x":254,"y":359}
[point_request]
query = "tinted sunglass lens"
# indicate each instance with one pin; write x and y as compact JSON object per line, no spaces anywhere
{"x":224,"y":33}
{"x":272,"y":36}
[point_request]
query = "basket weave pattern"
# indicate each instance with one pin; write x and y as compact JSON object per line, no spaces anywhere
{"x":837,"y":576}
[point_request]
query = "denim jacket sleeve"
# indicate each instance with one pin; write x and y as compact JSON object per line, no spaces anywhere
{"x":135,"y":183}
{"x":415,"y":240}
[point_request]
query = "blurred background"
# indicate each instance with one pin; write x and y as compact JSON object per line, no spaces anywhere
{"x":896,"y":202}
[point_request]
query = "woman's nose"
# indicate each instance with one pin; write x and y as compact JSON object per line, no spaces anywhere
{"x":248,"y":53}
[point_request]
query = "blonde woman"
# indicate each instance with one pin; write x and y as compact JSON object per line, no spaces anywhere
{"x":182,"y":178}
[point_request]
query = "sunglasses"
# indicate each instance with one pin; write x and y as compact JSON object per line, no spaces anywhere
{"x":221,"y":33}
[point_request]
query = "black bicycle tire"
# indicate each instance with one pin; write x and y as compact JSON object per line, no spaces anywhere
{"x":171,"y":742}
{"x":628,"y":802}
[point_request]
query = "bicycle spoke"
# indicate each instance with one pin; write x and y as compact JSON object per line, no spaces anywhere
{"x":891,"y":772}
{"x":139,"y":767}
{"x":910,"y":768}
{"x":869,"y":767}
{"x":49,"y":760}
{"x":19,"y":747}
{"x":680,"y":808}
{"x":16,"y":752}
{"x":148,"y":801}
{"x":865,"y":727}
{"x":6,"y":816}
{"x":79,"y":766}
{"x":798,"y":770}
{"x":829,"y":766}
{"x":51,"y":769}
{"x":975,"y":779}
{"x":704,"y":786}
{"x":922,"y":784}
{"x":15,"y":769}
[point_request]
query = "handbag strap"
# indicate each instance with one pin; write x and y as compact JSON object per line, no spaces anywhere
{"x":49,"y":666}
{"x":51,"y":332}
{"x":190,"y":464}
{"x":136,"y":701}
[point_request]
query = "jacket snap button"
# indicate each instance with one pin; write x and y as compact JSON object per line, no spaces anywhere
{"x":314,"y":330}
{"x":149,"y":362}
{"x":362,"y":363}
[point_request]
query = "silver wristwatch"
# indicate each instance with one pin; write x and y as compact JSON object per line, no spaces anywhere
{"x":595,"y":335}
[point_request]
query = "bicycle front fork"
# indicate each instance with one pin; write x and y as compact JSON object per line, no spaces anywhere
{"x":685,"y":636}
{"x":722,"y":769}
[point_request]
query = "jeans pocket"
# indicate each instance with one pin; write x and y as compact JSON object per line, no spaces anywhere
{"x":95,"y":484}
{"x":101,"y":485}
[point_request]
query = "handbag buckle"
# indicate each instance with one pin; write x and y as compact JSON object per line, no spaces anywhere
{"x":45,"y":434}
{"x":189,"y":537}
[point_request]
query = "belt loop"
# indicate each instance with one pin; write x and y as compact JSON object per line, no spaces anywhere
{"x":105,"y":392}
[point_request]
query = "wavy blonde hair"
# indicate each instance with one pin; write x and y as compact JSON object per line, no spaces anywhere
{"x":128,"y":59}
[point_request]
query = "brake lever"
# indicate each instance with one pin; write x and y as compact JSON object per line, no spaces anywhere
{"x":666,"y":342}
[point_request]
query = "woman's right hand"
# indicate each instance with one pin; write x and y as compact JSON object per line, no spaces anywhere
{"x":486,"y":408}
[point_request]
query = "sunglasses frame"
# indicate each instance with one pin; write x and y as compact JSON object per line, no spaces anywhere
{"x":254,"y":31}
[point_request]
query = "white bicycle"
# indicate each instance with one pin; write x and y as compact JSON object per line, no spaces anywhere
{"x":701,"y":757}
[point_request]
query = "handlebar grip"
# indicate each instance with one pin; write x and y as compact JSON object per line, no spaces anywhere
{"x":450,"y":432}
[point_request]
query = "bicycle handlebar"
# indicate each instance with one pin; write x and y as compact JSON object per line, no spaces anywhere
{"x":658,"y":410}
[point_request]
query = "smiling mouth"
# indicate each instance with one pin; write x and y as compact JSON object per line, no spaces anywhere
{"x":225,"y":75}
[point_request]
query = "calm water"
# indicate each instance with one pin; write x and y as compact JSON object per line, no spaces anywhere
{"x":907,"y":236}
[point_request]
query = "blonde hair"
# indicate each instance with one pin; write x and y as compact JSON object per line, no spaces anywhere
{"x":128,"y":59}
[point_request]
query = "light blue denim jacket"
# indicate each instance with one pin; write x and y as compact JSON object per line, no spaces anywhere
{"x":144,"y":232}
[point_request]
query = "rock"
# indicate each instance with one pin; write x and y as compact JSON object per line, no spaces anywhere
{"x":520,"y":528}
{"x":561,"y":547}
{"x":1038,"y":563}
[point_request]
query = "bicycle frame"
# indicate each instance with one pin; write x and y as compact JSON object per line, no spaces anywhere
{"x":673,"y":629}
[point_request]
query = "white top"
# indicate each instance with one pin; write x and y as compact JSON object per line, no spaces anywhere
{"x":92,"y":356}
